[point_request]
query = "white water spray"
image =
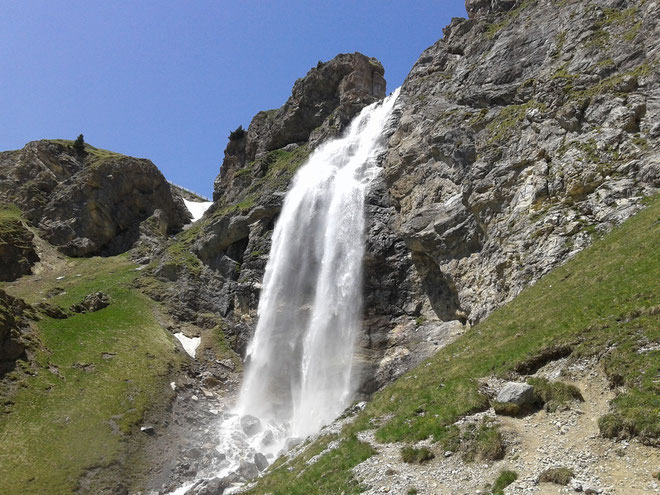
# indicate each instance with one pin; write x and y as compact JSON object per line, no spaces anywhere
{"x":300,"y":368}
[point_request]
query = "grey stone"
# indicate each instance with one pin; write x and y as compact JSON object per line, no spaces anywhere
{"x":250,"y":425}
{"x":520,"y":394}
{"x":260,"y":461}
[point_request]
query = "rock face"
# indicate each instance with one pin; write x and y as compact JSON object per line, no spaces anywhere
{"x":17,"y":251}
{"x":15,"y":337}
{"x":90,"y":203}
{"x":321,"y":105}
{"x":526,"y":130}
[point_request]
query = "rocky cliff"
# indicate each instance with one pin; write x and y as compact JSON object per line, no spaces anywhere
{"x":90,"y":202}
{"x":529,"y":128}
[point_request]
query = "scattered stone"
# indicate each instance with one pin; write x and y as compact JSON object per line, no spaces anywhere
{"x":248,"y":470}
{"x":51,"y":310}
{"x":148,"y":429}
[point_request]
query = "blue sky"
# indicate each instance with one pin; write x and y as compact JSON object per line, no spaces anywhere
{"x":168,"y":80}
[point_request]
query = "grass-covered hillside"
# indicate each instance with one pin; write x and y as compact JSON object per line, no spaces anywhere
{"x":89,"y":382}
{"x":604,"y":304}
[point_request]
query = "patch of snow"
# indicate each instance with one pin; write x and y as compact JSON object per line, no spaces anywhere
{"x":60,"y":278}
{"x":189,"y":344}
{"x":196,"y":208}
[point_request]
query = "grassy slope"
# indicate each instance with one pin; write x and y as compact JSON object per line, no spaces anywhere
{"x":60,"y":425}
{"x":603,"y":303}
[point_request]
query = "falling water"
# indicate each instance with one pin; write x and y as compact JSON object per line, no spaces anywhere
{"x":300,"y":373}
{"x":300,"y":360}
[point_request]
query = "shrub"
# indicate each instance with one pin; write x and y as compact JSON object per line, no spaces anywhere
{"x":559,"y":476}
{"x":79,"y":144}
{"x":483,"y":442}
{"x":411,"y":455}
{"x":237,"y":134}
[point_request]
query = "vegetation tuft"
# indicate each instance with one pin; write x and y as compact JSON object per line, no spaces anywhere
{"x":412,"y":455}
{"x":554,"y":395}
{"x":503,"y":480}
{"x":559,"y":476}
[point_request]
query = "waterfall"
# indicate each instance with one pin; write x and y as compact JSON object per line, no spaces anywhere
{"x":300,"y":373}
{"x":300,"y":369}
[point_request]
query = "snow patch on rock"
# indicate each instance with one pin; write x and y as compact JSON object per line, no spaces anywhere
{"x":197,"y":208}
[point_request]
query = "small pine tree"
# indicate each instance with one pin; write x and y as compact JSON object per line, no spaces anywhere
{"x":79,"y":144}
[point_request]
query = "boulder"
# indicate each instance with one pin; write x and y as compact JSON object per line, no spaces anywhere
{"x":251,"y":425}
{"x":16,"y":337}
{"x":520,"y":394}
{"x":92,"y":302}
{"x":17,"y":251}
{"x":248,"y":470}
{"x":260,"y":461}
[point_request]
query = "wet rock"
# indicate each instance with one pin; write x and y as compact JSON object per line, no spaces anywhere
{"x":250,"y":425}
{"x":248,"y":470}
{"x":260,"y":461}
{"x":268,"y":438}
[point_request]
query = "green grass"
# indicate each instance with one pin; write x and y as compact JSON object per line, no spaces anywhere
{"x":9,"y":212}
{"x":60,"y":424}
{"x":554,"y":395}
{"x":330,"y":474}
{"x":503,"y":480}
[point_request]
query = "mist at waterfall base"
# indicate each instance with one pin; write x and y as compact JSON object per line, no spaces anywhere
{"x":300,"y":373}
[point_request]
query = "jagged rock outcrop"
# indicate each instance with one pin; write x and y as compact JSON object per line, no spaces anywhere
{"x":87,"y":203}
{"x":321,"y":105}
{"x":15,"y":334}
{"x":526,"y":130}
{"x":17,"y":251}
